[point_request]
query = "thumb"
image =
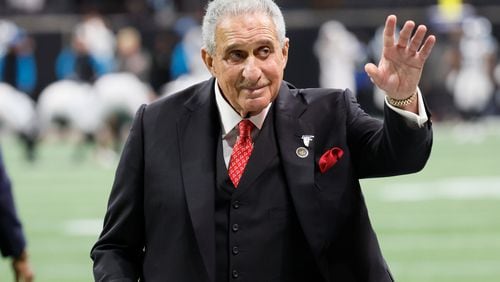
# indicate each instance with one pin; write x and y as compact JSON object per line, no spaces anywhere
{"x":373,"y":73}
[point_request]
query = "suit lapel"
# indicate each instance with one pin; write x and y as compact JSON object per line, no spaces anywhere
{"x":198,"y":134}
{"x":299,"y":172}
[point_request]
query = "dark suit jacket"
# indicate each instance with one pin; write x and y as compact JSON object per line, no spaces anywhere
{"x":12,"y":241}
{"x":160,"y":219}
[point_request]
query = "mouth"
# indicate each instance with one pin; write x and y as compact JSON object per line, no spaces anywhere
{"x":254,"y":89}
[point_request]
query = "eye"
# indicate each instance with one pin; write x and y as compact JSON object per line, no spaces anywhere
{"x":264,"y":52}
{"x":236,"y":56}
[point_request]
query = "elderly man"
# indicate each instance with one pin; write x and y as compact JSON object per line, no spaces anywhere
{"x":245,"y":178}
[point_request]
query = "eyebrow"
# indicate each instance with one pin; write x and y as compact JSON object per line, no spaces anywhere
{"x":236,"y":45}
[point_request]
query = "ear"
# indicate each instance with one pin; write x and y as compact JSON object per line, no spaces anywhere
{"x":284,"y":51}
{"x":208,"y":60}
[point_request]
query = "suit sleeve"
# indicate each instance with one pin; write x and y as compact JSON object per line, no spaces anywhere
{"x":12,"y":241}
{"x":390,"y":147}
{"x":118,"y":253}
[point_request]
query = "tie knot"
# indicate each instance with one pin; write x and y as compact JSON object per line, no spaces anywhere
{"x":245,"y":127}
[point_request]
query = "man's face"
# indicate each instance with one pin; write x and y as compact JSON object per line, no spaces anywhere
{"x":248,"y":62}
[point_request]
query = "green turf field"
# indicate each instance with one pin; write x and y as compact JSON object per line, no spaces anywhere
{"x":440,"y":225}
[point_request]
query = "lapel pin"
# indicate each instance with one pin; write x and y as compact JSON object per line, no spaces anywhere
{"x":307,"y":139}
{"x":302,"y":152}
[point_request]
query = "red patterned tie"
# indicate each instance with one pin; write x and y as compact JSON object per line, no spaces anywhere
{"x":241,"y":152}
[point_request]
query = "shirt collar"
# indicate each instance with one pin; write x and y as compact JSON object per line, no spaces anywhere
{"x":230,"y":118}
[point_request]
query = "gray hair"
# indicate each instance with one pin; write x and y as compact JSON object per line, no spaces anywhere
{"x":218,"y":9}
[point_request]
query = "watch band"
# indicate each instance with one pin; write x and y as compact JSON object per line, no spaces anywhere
{"x":402,"y":102}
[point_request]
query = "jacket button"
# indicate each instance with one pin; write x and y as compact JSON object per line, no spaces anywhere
{"x":235,"y":274}
{"x":236,"y":250}
{"x":236,"y":205}
{"x":235,"y":227}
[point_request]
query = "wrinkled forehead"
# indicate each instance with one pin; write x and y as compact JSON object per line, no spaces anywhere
{"x":246,"y":26}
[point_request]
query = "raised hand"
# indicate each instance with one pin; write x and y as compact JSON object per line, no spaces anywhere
{"x":400,"y":68}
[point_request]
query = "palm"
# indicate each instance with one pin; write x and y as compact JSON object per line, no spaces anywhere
{"x":401,"y":64}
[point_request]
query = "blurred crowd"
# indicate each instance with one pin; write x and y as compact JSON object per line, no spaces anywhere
{"x":101,"y":76}
{"x":461,"y":83}
{"x":104,"y":70}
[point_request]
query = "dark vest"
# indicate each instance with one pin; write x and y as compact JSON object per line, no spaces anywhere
{"x":258,"y":237}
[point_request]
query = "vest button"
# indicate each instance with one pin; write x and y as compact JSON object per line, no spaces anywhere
{"x":236,"y":205}
{"x":235,"y":274}
{"x":235,"y":227}
{"x":236,"y":250}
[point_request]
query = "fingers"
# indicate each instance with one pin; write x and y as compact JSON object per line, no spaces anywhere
{"x":389,"y":30}
{"x":426,"y":49}
{"x":414,"y":43}
{"x":417,"y":39}
{"x":405,"y":33}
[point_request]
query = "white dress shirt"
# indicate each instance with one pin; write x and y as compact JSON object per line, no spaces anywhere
{"x":230,"y":119}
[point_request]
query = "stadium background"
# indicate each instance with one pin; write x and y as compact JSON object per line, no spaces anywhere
{"x":442,"y":224}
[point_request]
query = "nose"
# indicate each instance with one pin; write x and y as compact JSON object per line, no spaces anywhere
{"x":251,"y":70}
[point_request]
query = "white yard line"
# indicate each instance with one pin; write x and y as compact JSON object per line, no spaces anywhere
{"x":83,"y":227}
{"x":461,"y":188}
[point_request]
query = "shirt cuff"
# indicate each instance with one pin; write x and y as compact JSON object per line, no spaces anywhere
{"x":419,"y":119}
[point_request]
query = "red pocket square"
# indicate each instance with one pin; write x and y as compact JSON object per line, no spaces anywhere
{"x":330,"y":158}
